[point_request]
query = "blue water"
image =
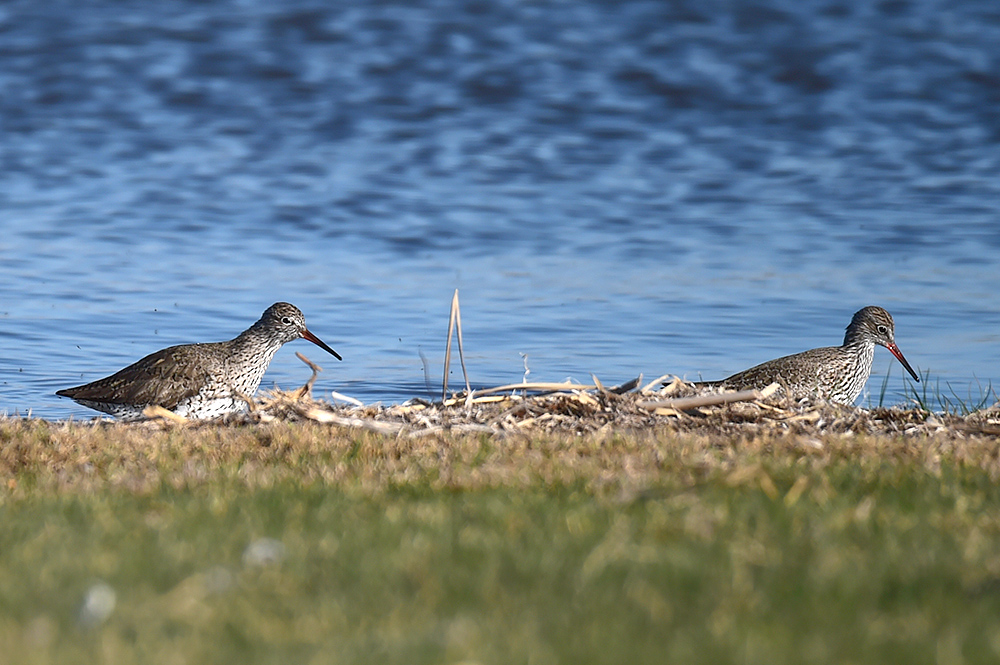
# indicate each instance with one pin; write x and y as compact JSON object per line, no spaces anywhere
{"x":614,"y":188}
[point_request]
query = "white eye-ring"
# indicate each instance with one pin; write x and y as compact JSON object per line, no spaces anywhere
{"x":882,"y":329}
{"x":286,"y":320}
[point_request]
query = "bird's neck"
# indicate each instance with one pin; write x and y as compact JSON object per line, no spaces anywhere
{"x":862,"y":350}
{"x":252,"y":343}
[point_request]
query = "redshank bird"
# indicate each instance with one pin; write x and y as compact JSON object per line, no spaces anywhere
{"x":199,"y":381}
{"x":833,"y":373}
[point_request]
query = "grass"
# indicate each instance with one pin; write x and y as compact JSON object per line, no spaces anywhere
{"x":950,"y":401}
{"x":652,"y":546}
{"x":931,"y":398}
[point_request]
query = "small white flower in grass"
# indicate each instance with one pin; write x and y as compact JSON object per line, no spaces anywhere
{"x":264,"y":552}
{"x":98,"y":604}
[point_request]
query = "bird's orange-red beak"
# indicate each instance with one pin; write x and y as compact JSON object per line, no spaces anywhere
{"x":899,"y":356}
{"x":321,"y":344}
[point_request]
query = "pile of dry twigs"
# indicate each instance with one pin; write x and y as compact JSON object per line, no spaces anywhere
{"x":528,"y":408}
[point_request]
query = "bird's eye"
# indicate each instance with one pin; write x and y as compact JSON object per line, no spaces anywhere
{"x":882,"y":330}
{"x":286,"y":320}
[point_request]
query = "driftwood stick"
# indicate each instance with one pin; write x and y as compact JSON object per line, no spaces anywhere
{"x":681,"y":403}
{"x":545,"y":387}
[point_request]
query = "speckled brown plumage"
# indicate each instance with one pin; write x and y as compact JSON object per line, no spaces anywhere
{"x":198,"y":380}
{"x":834,"y":373}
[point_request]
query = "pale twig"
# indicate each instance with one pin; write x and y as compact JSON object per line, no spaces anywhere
{"x":544,"y":387}
{"x":323,"y":416}
{"x":461,"y":350}
{"x":345,"y":398}
{"x":156,"y":411}
{"x":682,"y":403}
{"x":307,"y":388}
{"x":251,"y":404}
{"x":649,"y":386}
{"x":447,"y":350}
{"x":454,"y":322}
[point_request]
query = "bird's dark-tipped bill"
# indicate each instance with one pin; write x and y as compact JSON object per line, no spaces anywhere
{"x":321,"y":344}
{"x":899,"y":356}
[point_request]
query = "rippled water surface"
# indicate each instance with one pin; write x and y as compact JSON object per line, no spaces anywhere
{"x":614,"y":188}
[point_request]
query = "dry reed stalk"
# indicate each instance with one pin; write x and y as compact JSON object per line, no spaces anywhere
{"x":454,"y":322}
{"x":542,"y":387}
